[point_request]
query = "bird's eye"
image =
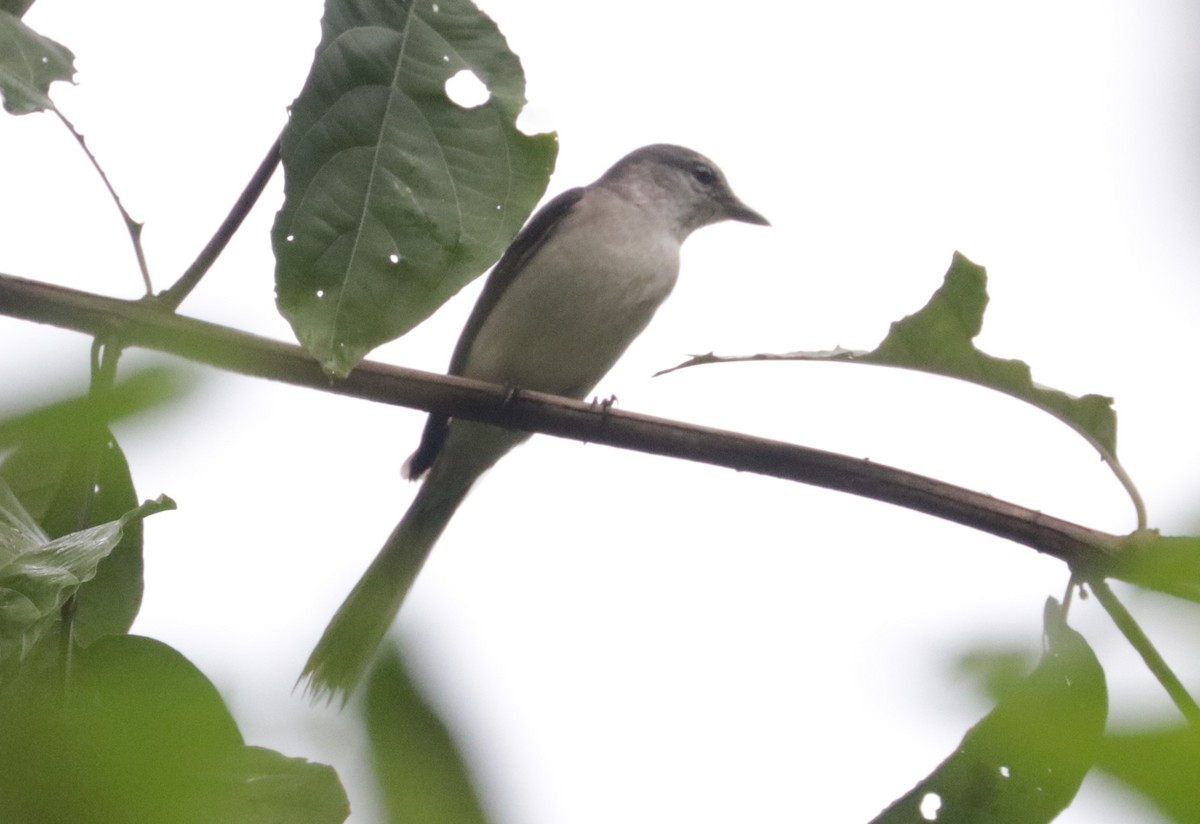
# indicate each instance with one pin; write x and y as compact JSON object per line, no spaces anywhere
{"x":704,"y":174}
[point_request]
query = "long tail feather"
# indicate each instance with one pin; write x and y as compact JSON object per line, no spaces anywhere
{"x":350,"y":641}
{"x":352,"y":637}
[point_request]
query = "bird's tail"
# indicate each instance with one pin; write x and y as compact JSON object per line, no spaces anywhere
{"x":352,"y":637}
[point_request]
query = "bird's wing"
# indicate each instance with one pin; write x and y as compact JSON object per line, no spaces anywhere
{"x":536,"y":232}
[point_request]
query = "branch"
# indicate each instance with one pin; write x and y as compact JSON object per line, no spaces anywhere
{"x":132,"y":226}
{"x":140,"y":323}
{"x":172,"y":297}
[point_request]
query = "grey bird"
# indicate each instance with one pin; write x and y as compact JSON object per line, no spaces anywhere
{"x":577,"y":285}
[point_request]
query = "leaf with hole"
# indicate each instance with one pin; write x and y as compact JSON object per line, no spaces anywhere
{"x":1024,"y":762}
{"x":395,"y":195}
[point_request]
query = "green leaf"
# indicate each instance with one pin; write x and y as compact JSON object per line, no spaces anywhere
{"x":38,"y":575}
{"x":396,"y":197}
{"x":996,"y":670}
{"x":137,"y":734}
{"x":418,"y":767}
{"x":1167,"y":563}
{"x":1024,"y":762}
{"x":67,"y":484}
{"x":67,"y":470}
{"x":16,"y":8}
{"x":939,"y":339}
{"x":76,"y":418}
{"x":262,"y":786}
{"x":1161,"y":765}
{"x":29,"y":63}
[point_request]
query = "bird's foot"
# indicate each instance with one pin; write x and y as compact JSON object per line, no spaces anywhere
{"x":604,"y":404}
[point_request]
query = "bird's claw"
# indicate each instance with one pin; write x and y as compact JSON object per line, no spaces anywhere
{"x":604,"y":404}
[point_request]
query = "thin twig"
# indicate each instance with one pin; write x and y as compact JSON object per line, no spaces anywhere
{"x":1068,"y":594}
{"x":840,"y":355}
{"x":132,"y":226}
{"x":1139,"y":505}
{"x":1141,"y":642}
{"x":172,"y":297}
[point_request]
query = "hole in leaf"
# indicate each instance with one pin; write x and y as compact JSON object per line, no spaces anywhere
{"x":394,"y":258}
{"x":466,"y":90}
{"x":929,"y":806}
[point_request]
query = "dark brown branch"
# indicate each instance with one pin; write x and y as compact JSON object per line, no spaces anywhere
{"x":137,"y":323}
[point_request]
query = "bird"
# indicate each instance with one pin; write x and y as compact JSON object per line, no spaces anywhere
{"x":577,"y":285}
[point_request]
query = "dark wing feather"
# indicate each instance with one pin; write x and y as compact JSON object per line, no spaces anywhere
{"x":536,"y":232}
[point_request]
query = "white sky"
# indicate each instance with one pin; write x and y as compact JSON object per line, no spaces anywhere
{"x":620,"y":637}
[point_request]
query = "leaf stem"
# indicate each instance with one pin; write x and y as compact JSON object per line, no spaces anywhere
{"x":85,"y":476}
{"x":104,"y":358}
{"x":1138,"y":639}
{"x":171,"y":298}
{"x":1139,"y":505}
{"x":132,"y":226}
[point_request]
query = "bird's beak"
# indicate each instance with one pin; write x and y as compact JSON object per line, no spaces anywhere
{"x":736,"y":210}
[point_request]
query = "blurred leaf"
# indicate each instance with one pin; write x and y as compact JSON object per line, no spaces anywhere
{"x":1167,"y":563}
{"x":418,"y":766}
{"x":16,"y":8}
{"x":396,"y":197}
{"x":38,"y":575}
{"x":29,"y":63}
{"x":136,"y":733}
{"x":76,"y":418}
{"x":69,"y":473}
{"x":1024,"y":762}
{"x":1163,"y":765}
{"x":939,"y":339}
{"x":69,"y":486}
{"x":264,"y":787}
{"x":997,"y":671}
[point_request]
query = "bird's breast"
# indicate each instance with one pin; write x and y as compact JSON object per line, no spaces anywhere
{"x":579,"y":301}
